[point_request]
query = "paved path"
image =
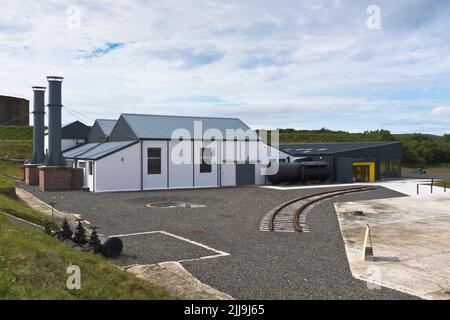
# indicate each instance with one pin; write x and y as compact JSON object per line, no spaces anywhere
{"x":260,"y":265}
{"x":404,"y":186}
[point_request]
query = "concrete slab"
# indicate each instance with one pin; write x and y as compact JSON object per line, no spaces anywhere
{"x":178,"y":281}
{"x":411,"y":243}
{"x":405,"y":186}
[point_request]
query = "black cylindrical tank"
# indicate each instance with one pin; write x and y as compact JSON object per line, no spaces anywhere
{"x":287,"y":172}
{"x":315,"y":171}
{"x":110,"y":246}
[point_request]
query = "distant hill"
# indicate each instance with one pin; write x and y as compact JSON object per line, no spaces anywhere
{"x":401,"y":136}
{"x":325,"y":135}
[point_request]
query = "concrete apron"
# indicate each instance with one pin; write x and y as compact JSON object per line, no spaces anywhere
{"x":411,"y":243}
{"x":177,"y":280}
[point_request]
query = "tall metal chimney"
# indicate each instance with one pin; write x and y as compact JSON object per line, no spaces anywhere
{"x":54,"y":157}
{"x":38,"y":125}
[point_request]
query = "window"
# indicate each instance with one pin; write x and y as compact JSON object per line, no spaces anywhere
{"x":390,"y":167}
{"x":91,"y":165}
{"x":154,"y":161}
{"x":205,"y":166}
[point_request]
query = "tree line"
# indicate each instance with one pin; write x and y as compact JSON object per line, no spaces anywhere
{"x":418,"y":149}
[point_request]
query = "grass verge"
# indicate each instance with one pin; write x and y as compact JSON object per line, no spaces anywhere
{"x":11,"y":168}
{"x":434,"y":169}
{"x":21,"y":210}
{"x":443,"y":184}
{"x":6,"y":184}
{"x":34,"y":266}
{"x":16,"y":149}
{"x":16,"y":132}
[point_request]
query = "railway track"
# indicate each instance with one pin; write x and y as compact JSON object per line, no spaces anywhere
{"x":291,"y":216}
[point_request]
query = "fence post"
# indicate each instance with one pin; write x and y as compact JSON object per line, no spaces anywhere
{"x":432,"y":182}
{"x":417,"y":189}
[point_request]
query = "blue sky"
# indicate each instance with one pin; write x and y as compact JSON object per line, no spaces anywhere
{"x":299,"y":64}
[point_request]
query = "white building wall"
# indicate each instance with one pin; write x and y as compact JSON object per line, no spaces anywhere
{"x":90,"y":177}
{"x":260,"y":177}
{"x":154,"y":181}
{"x":120,"y":171}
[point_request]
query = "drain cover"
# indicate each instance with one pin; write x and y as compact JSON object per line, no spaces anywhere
{"x":174,"y":204}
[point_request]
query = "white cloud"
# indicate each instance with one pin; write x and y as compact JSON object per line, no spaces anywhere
{"x":275,"y":63}
{"x":441,"y":111}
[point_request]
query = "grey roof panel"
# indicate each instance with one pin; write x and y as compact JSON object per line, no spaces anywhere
{"x":79,"y":150}
{"x":299,"y":149}
{"x":106,"y":125}
{"x":103,"y":149}
{"x":73,"y":130}
{"x":162,"y":127}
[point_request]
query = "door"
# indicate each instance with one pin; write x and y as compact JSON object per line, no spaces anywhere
{"x":361,"y":173}
{"x":364,"y":171}
{"x":245,"y":174}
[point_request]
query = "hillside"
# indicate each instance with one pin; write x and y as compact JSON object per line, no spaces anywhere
{"x":16,"y":142}
{"x":16,"y":133}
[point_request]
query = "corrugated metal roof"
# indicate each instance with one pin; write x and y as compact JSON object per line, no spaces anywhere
{"x":104,"y":149}
{"x":303,"y":149}
{"x":162,"y":126}
{"x":106,"y":125}
{"x":79,"y":150}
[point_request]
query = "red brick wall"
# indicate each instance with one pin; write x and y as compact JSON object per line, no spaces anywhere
{"x":55,"y":178}
{"x":31,"y":175}
{"x":77,"y":178}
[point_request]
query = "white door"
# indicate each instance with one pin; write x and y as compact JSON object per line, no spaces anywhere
{"x":228,"y":175}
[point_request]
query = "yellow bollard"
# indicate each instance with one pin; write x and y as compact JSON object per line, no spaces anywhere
{"x":368,"y":249}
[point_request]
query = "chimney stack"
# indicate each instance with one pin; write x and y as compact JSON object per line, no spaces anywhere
{"x":54,"y":157}
{"x":38,"y":125}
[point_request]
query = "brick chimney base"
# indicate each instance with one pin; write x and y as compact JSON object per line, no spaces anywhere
{"x":31,"y":174}
{"x":55,"y":178}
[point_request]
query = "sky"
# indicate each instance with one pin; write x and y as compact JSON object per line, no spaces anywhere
{"x":304,"y":64}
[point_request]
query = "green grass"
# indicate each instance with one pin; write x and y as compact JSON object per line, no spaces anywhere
{"x":16,"y":141}
{"x":21,"y":210}
{"x":432,"y":169}
{"x":16,"y":149}
{"x":16,"y":132}
{"x":33,"y":266}
{"x":443,"y":184}
{"x":6,"y":184}
{"x":10,"y":168}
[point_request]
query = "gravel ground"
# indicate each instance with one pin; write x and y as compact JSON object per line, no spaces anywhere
{"x":261,"y":265}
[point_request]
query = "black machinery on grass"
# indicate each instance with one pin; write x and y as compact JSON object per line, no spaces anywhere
{"x":110,"y":247}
